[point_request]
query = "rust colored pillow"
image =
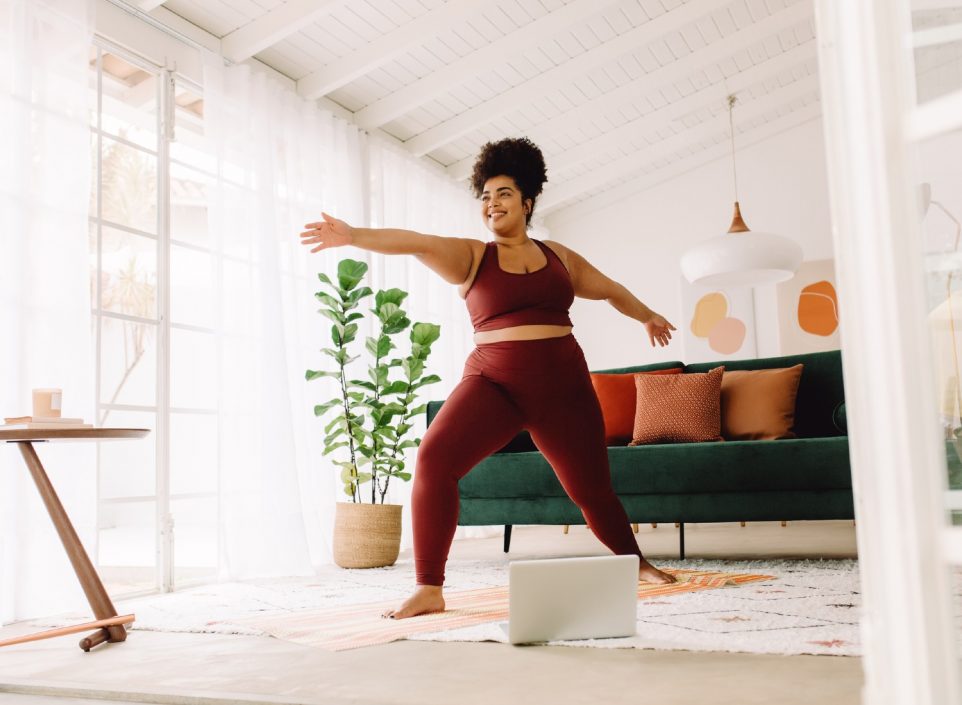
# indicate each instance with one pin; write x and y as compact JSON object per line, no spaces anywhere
{"x":682,"y":408}
{"x":616,"y":394}
{"x":759,"y":405}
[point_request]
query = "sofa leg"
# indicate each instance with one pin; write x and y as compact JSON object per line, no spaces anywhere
{"x":654,"y":525}
{"x":677,"y":524}
{"x":784,"y":523}
{"x":681,"y":540}
{"x":507,"y":537}
{"x":634,"y":527}
{"x":743,"y":524}
{"x":565,"y":528}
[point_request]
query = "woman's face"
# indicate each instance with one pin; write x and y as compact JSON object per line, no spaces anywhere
{"x":501,"y":206}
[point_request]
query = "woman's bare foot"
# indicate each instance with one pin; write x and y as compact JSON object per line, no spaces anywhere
{"x":427,"y":598}
{"x":647,"y":573}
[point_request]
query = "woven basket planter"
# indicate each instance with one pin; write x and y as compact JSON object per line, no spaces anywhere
{"x":366,"y":535}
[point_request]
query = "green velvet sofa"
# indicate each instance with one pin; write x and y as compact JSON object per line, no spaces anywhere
{"x":803,"y":478}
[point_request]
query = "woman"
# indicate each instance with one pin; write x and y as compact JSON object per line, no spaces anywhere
{"x":526,"y":371}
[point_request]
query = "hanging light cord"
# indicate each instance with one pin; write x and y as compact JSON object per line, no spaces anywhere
{"x":731,"y":127}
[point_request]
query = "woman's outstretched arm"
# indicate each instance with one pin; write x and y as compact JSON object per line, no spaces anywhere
{"x":590,"y":283}
{"x":450,"y":257}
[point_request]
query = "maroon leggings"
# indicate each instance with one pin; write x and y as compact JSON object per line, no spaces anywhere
{"x":543,"y":386}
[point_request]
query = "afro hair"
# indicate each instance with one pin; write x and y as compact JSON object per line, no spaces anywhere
{"x":519,"y":158}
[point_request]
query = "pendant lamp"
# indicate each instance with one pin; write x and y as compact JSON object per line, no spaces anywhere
{"x":741,"y":257}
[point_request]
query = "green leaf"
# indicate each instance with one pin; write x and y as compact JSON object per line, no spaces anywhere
{"x":407,"y":444}
{"x":362,"y":383}
{"x":350,"y":272}
{"x":356,"y":296}
{"x":403,"y":475}
{"x":324,"y":278}
{"x":425,"y":333}
{"x":418,"y":410}
{"x":387,"y":310}
{"x":346,"y":475}
{"x":403,"y":428}
{"x":349,"y":490}
{"x":337,"y":421}
{"x":335,"y":316}
{"x":394,"y":296}
{"x":363,"y":477}
{"x":330,"y":438}
{"x":333,"y":447}
{"x":314,"y":374}
{"x":329,"y":300}
{"x":354,"y":316}
{"x":320,"y":409}
{"x":336,"y":334}
{"x":430,"y":379}
{"x":398,"y":386}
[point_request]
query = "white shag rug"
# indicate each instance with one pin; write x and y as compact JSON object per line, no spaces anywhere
{"x":810,"y":607}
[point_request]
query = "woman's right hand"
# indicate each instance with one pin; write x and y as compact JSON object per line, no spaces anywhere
{"x":329,"y":232}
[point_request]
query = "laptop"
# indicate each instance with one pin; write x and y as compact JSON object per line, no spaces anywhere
{"x":594,"y":597}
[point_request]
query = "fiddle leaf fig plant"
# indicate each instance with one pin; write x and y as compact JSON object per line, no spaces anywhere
{"x":373,"y":416}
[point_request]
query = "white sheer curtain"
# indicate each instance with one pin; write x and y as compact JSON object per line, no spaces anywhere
{"x":45,"y":322}
{"x":409,"y":194}
{"x":281,"y":161}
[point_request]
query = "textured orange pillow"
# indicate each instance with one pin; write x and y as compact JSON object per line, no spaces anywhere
{"x":678,"y":408}
{"x":759,"y":405}
{"x":616,"y":394}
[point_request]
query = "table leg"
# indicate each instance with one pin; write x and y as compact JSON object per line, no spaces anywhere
{"x":97,"y":596}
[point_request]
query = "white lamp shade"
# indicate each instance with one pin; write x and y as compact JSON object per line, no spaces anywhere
{"x":742,"y":259}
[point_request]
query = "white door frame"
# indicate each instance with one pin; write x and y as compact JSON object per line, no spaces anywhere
{"x":897,"y":451}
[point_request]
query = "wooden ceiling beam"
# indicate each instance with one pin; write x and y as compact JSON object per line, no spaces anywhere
{"x":386,"y":48}
{"x":457,"y":72}
{"x":272,"y":27}
{"x":665,"y":76}
{"x":561,"y":75}
{"x":631,"y":163}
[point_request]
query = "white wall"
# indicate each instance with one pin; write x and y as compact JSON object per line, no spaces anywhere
{"x":638,"y":241}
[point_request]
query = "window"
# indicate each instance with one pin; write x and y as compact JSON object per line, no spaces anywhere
{"x":151,"y":270}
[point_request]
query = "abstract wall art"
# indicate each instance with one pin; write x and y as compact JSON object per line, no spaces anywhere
{"x":808,"y":309}
{"x":719,"y":324}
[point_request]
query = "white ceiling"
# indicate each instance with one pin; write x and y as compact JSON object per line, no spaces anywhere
{"x":619,"y":94}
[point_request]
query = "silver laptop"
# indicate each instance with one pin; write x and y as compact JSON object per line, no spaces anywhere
{"x":594,"y":597}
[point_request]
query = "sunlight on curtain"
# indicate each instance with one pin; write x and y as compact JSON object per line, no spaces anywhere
{"x":279,"y":160}
{"x":45,"y":322}
{"x":411,"y":195}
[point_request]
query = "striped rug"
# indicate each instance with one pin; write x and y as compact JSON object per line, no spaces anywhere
{"x":354,"y":626}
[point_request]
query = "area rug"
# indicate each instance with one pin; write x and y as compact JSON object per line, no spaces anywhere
{"x":805,"y":607}
{"x":340,"y":628}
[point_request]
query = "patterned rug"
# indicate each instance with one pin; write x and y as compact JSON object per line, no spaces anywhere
{"x":341,"y":628}
{"x":798,"y":607}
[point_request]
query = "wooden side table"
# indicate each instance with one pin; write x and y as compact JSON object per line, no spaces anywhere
{"x":110,"y":626}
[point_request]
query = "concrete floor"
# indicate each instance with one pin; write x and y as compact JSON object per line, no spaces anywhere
{"x":208,"y":668}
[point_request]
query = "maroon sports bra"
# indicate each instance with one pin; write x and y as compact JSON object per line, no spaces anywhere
{"x":499,"y":299}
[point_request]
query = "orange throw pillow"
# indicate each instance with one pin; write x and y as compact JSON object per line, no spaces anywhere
{"x":616,"y":394}
{"x":759,"y":405}
{"x":682,"y":408}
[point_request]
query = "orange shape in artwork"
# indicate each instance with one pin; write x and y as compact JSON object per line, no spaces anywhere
{"x":818,"y":309}
{"x":727,"y":336}
{"x":710,"y":309}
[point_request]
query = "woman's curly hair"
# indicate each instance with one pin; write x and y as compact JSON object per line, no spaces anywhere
{"x":517,"y":157}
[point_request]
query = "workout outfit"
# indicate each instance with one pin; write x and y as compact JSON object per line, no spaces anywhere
{"x":542,"y":385}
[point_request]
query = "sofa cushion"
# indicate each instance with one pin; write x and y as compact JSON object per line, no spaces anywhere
{"x":522,"y":443}
{"x":759,"y":404}
{"x":617,"y":394}
{"x":820,"y":388}
{"x":678,"y":408}
{"x":803,"y":464}
{"x":839,"y":417}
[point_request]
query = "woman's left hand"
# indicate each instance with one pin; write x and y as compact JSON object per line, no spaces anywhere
{"x":659,"y":330}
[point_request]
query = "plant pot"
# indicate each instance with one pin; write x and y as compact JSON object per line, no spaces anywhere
{"x":366,"y":535}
